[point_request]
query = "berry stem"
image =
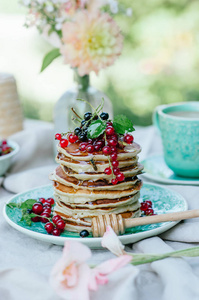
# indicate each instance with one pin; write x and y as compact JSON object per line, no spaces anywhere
{"x":95,"y":111}
{"x":73,"y":110}
{"x":110,"y":165}
{"x":49,"y":219}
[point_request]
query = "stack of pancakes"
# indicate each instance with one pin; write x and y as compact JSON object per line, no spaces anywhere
{"x":82,"y":190}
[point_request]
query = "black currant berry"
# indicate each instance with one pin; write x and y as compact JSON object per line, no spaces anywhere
{"x":29,"y":211}
{"x":85,"y":130}
{"x":83,"y":137}
{"x":77,"y":131}
{"x":95,"y":117}
{"x":84,"y":233}
{"x":104,"y":116}
{"x":87,"y":116}
{"x":88,"y":123}
{"x":83,"y":123}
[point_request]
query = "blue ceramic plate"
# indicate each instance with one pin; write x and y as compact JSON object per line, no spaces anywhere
{"x":164,"y":201}
{"x":156,"y":169}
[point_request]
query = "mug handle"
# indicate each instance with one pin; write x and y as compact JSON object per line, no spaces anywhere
{"x":155,"y":116}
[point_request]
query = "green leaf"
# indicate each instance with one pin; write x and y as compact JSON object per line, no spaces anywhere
{"x":49,"y":57}
{"x":12,"y":204}
{"x":122,"y":124}
{"x":27,"y":217}
{"x":27,"y":204}
{"x":96,"y":128}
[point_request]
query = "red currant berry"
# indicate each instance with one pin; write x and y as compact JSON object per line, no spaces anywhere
{"x":56,"y":218}
{"x":113,"y":156}
{"x":58,"y":136}
{"x":50,"y":201}
{"x":49,"y":227}
{"x":149,"y":212}
{"x":46,"y":205}
{"x":120,"y":177}
{"x":114,"y":181}
{"x":144,"y":206}
{"x":44,"y":217}
{"x":90,"y":148}
{"x":82,"y":146}
{"x":113,"y":149}
{"x":106,"y":150}
{"x":72,"y":138}
{"x":60,"y":224}
{"x":110,"y":130}
{"x":4,"y":142}
{"x":128,"y":138}
{"x":42,"y":200}
{"x":115,"y":137}
{"x":149,"y":203}
{"x":108,"y":171}
{"x":37,"y":208}
{"x":47,"y":211}
{"x":64,"y":143}
{"x":35,"y":219}
{"x":56,"y":232}
{"x":109,"y":123}
{"x":90,"y":141}
{"x":97,"y":148}
{"x":115,"y":163}
{"x":100,"y":143}
{"x":112,"y":142}
{"x":116,"y":171}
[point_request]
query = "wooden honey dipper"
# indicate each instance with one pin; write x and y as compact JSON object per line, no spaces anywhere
{"x":119,"y":224}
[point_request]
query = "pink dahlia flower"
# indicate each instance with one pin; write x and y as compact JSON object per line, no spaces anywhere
{"x":91,"y":42}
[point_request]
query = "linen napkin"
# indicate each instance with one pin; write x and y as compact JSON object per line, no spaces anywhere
{"x":21,"y":284}
{"x":177,"y":277}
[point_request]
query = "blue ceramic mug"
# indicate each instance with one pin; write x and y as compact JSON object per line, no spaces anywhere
{"x":179,"y":127}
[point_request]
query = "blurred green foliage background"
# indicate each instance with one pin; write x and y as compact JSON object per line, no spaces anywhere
{"x":159,"y":63}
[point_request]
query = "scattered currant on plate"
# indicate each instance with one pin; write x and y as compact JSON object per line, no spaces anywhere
{"x":97,"y":134}
{"x":84,"y":233}
{"x":5,"y":148}
{"x":147,"y":208}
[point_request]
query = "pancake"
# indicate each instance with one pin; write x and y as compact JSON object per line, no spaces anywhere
{"x":80,"y":166}
{"x":100,"y":203}
{"x":102,"y":184}
{"x":132,"y":170}
{"x":83,"y":212}
{"x":77,"y":225}
{"x":72,"y":151}
{"x":72,"y":195}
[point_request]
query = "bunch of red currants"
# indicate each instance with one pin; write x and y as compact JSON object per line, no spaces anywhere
{"x":43,"y":210}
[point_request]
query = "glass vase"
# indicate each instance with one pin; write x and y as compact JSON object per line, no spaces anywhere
{"x":63,"y":114}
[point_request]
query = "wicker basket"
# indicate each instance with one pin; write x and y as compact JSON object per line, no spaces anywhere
{"x":11,"y":116}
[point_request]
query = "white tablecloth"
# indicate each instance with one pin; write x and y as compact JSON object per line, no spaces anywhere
{"x":25,"y":263}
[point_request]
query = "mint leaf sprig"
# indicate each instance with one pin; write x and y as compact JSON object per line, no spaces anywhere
{"x":122,"y":124}
{"x":25,"y":207}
